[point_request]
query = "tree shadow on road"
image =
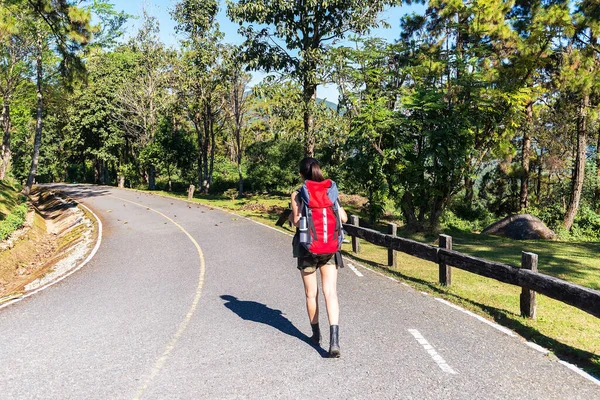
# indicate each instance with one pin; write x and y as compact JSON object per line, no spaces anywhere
{"x":258,"y":312}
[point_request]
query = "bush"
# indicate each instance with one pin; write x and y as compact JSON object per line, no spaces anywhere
{"x":551,"y":215}
{"x":469,"y":218}
{"x":273,"y":165}
{"x":586,"y":226}
{"x":225,"y":175}
{"x":13,"y":221}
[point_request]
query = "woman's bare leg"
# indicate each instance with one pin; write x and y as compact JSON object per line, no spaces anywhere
{"x":311,"y":291}
{"x":329,"y":282}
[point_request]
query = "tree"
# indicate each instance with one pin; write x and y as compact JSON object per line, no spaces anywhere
{"x":202,"y":86}
{"x":92,"y":129}
{"x":65,"y":28}
{"x":579,"y":76}
{"x":144,"y":95}
{"x":296,"y":37}
{"x":238,"y":105}
{"x":15,"y":47}
{"x":537,"y":25}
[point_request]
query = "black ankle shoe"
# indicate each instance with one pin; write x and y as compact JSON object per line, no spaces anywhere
{"x":334,"y":341}
{"x":316,"y":336}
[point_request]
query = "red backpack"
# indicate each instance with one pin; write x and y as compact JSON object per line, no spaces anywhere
{"x":320,"y":206}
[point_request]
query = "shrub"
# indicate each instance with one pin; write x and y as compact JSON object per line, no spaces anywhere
{"x":273,"y":165}
{"x":465,"y":217}
{"x":13,"y":221}
{"x":231,"y":194}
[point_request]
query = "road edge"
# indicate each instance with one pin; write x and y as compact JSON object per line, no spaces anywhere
{"x":71,"y":271}
{"x":499,"y":327}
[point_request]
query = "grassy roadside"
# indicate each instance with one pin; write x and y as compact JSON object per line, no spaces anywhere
{"x":566,"y":331}
{"x":13,"y":208}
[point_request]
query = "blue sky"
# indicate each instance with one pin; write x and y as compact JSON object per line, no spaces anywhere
{"x":160,"y":9}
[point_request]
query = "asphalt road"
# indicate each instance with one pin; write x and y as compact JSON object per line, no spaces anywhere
{"x":153,"y":316}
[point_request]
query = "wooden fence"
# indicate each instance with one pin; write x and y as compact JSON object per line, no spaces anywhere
{"x":526,"y":276}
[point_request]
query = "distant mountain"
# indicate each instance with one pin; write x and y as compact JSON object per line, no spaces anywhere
{"x":328,"y":103}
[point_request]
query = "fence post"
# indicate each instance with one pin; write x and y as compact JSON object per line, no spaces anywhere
{"x":355,"y":243}
{"x":445,"y":242}
{"x":393,"y":228}
{"x":191,"y":190}
{"x":528,"y":261}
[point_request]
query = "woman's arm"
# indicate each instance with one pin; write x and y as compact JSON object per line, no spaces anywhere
{"x":296,"y":213}
{"x":343,"y":215}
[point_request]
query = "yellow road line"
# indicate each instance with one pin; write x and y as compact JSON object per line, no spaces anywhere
{"x":158,"y":365}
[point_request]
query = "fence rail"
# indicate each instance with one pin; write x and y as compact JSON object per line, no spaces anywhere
{"x":526,"y":276}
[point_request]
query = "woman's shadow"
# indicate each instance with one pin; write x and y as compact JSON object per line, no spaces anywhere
{"x":257,"y":312}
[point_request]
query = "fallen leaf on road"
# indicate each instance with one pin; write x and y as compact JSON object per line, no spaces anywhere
{"x":109,"y":211}
{"x":126,"y":223}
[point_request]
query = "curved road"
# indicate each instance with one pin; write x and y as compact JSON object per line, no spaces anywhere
{"x":153,"y":316}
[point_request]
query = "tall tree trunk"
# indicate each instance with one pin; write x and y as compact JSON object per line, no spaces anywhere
{"x":538,"y":188}
{"x":38,"y":126}
{"x":239,"y":162}
{"x":598,"y":174}
{"x":579,"y":170}
{"x":310,"y":98}
{"x":408,"y":210}
{"x":200,"y":151}
{"x":205,"y":148}
{"x":169,"y":176}
{"x":438,"y":205}
{"x":238,"y":96}
{"x":5,"y":155}
{"x":469,"y":190}
{"x":525,"y":159}
{"x":152,"y":177}
{"x":212,"y":153}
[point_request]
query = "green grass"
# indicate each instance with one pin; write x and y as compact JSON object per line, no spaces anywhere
{"x":566,"y":331}
{"x":13,"y":208}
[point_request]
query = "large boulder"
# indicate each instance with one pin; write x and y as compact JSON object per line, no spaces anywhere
{"x":520,"y":227}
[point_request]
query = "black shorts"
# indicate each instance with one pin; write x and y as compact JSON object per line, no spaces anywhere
{"x":311,"y":262}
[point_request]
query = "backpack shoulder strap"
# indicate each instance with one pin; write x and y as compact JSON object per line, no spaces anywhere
{"x":304,"y":195}
{"x":333,"y":195}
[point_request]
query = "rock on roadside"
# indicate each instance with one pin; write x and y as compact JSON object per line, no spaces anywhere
{"x":520,"y":227}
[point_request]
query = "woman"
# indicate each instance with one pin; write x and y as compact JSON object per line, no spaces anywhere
{"x":309,"y":263}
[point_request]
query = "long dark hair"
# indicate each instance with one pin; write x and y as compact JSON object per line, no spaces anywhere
{"x":310,"y":170}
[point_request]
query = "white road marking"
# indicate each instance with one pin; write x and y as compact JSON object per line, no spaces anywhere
{"x":434,"y":354}
{"x":353,"y":268}
{"x":71,"y":272}
{"x":160,"y":362}
{"x":537,"y":347}
{"x":580,"y":372}
{"x":480,"y":318}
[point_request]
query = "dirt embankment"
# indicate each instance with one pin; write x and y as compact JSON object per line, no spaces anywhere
{"x":57,"y":236}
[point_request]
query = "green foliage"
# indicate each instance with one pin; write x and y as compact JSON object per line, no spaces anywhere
{"x":273,"y":165}
{"x":13,"y":221}
{"x":231,"y":194}
{"x":225,"y":175}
